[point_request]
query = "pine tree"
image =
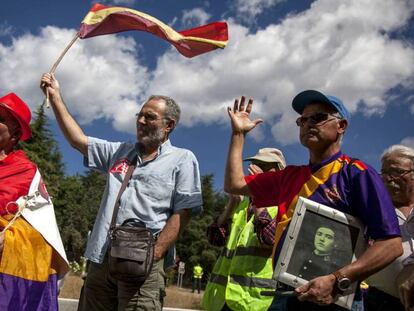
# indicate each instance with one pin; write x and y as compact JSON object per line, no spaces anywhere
{"x":78,"y":204}
{"x":193,"y":246}
{"x":43,"y":150}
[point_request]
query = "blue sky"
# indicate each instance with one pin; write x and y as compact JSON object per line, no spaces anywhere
{"x":359,"y":50}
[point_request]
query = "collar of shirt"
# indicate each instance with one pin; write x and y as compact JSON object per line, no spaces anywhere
{"x":161,"y":149}
{"x":316,"y":167}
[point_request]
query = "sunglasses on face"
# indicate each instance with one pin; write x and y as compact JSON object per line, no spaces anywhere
{"x":316,"y":118}
{"x":395,"y":172}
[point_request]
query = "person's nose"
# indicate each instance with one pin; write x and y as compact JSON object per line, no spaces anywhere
{"x":388,"y":178}
{"x":141,"y":120}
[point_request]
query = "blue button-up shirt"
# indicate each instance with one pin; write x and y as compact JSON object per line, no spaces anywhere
{"x":158,"y":188}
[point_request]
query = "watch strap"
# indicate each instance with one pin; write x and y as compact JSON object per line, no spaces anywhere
{"x":341,"y":278}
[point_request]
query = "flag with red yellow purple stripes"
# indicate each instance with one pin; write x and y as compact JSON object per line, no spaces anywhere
{"x":102,"y":20}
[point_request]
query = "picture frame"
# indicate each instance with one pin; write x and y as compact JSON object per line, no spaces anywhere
{"x":319,"y":241}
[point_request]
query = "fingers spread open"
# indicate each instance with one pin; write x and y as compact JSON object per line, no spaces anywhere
{"x":241,"y":107}
{"x":236,"y":105}
{"x":249,"y":105}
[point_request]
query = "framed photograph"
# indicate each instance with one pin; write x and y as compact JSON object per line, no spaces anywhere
{"x":319,"y":241}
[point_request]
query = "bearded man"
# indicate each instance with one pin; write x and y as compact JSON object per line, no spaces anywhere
{"x":163,"y":191}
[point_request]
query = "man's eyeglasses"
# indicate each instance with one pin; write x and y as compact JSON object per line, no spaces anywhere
{"x":148,"y":117}
{"x":316,"y":118}
{"x":395,"y":172}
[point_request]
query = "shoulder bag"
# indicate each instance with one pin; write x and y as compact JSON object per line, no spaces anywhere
{"x":131,"y":252}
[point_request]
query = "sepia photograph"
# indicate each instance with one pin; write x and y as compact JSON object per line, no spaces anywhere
{"x":319,"y":241}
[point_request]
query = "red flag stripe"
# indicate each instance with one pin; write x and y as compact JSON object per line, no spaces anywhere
{"x":103,"y":20}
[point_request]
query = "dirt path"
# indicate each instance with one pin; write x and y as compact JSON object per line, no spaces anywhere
{"x":176,"y":297}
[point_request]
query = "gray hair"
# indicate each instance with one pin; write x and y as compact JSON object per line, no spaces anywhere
{"x":400,"y":150}
{"x":172,"y":111}
{"x":341,"y":136}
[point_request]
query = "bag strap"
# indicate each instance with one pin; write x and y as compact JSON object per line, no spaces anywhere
{"x":128,"y":175}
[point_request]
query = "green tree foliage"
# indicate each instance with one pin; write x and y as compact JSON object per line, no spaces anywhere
{"x":76,"y":209}
{"x":193,"y":246}
{"x":75,"y":198}
{"x":43,"y":150}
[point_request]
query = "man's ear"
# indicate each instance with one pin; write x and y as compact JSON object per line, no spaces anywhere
{"x":16,"y":136}
{"x":170,"y":126}
{"x":343,"y":124}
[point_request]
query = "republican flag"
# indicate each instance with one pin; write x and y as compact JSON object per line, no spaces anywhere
{"x":33,"y":257}
{"x":102,"y":20}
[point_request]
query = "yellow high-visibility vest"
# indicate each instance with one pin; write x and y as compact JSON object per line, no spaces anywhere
{"x":243,"y":269}
{"x":198,"y":272}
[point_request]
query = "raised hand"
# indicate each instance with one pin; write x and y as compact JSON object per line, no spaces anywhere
{"x":254,"y":169}
{"x":49,"y":82}
{"x":239,"y":116}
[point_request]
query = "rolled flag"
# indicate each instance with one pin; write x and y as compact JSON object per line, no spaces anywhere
{"x":102,"y":20}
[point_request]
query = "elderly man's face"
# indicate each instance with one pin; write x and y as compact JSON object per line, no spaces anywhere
{"x":8,"y":126}
{"x":397,"y":173}
{"x":151,"y":123}
{"x":320,"y":126}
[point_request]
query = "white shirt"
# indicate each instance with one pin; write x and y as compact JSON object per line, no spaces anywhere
{"x":385,"y":279}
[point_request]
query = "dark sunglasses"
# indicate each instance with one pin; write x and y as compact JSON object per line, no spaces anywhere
{"x":316,"y":118}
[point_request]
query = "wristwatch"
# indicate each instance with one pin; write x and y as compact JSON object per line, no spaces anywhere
{"x":342,"y":282}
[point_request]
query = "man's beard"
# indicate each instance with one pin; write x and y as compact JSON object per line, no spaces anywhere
{"x":152,"y":138}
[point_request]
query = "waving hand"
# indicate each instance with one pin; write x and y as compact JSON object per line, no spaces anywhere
{"x":239,"y":116}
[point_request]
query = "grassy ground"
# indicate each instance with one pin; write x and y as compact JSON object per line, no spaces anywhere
{"x":176,"y":297}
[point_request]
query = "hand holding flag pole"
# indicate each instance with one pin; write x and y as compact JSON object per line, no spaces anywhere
{"x":53,"y":69}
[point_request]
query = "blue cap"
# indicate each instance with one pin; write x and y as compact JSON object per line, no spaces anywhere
{"x":311,"y":96}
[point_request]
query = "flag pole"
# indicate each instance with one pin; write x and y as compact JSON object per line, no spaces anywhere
{"x":53,"y":69}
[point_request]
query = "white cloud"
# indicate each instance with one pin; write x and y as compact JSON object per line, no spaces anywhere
{"x":100,"y":77}
{"x":195,"y":17}
{"x":249,"y":9}
{"x":408,"y":141}
{"x":341,"y":48}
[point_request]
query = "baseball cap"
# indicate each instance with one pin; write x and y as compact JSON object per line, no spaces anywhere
{"x":310,"y":96}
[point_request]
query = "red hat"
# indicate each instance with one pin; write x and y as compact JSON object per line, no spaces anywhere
{"x":20,"y":111}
